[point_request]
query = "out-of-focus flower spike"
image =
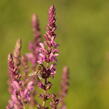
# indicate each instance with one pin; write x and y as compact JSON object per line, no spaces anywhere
{"x":37,"y":35}
{"x":14,"y":85}
{"x":34,"y":44}
{"x":64,"y":86}
{"x":35,"y":25}
{"x":17,"y":53}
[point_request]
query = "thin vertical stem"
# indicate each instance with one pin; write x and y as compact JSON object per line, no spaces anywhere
{"x":45,"y":93}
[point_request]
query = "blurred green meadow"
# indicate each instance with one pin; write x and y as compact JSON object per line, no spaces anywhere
{"x":83,"y":35}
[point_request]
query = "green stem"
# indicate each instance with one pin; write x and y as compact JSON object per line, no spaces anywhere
{"x":24,"y":107}
{"x":45,"y":92}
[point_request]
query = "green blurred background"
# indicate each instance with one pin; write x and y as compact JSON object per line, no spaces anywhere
{"x":83,"y":35}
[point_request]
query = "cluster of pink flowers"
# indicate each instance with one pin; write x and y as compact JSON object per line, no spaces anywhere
{"x":29,"y":74}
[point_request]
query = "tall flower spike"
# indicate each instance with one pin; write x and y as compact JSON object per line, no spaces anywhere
{"x":17,"y":53}
{"x":20,"y":87}
{"x":14,"y":85}
{"x":47,"y":59}
{"x":48,"y":50}
{"x":64,"y":86}
{"x":34,"y":45}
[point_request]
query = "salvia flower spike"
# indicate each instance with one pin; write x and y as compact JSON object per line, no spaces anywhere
{"x":14,"y":85}
{"x":64,"y":86}
{"x":34,"y":44}
{"x":30,"y":73}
